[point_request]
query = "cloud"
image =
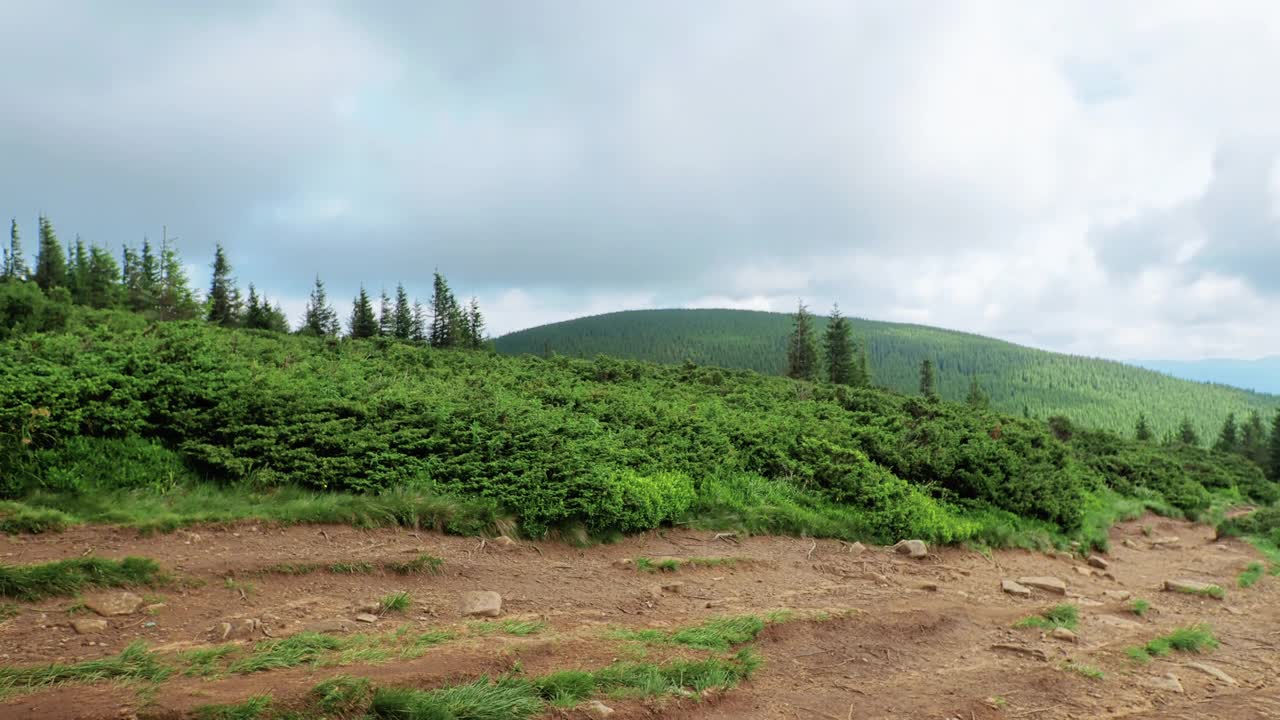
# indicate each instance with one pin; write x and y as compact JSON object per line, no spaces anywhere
{"x":1015,"y":169}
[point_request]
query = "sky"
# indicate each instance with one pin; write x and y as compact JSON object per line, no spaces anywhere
{"x":1090,"y":177}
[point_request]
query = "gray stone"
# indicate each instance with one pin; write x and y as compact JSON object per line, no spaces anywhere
{"x":1063,"y":556}
{"x":372,"y":607}
{"x":1082,"y":570}
{"x":857,"y":548}
{"x":597,"y":709}
{"x":1213,"y":672}
{"x":1167,"y":541}
{"x":113,"y":603}
{"x":482,"y":603}
{"x":1046,"y":583}
{"x":1168,"y":682}
{"x":367,"y":618}
{"x":1061,"y":633}
{"x":1120,"y":595}
{"x":1118,"y":622}
{"x":1099,"y":562}
{"x":1014,"y":588}
{"x":912,"y":548}
{"x":89,"y":626}
{"x":1132,"y":544}
{"x":1193,"y":587}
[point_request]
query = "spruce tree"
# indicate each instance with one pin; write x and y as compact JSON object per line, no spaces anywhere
{"x":1273,"y":459}
{"x":420,"y":332}
{"x":445,"y":315}
{"x":928,"y":384}
{"x":1187,"y":434}
{"x":976,"y":398}
{"x":1253,"y":439}
{"x":255,"y":312}
{"x":51,"y":262}
{"x":101,"y":288}
{"x":320,"y":319}
{"x":861,"y":367}
{"x":386,"y":318}
{"x":1228,"y":438}
{"x":475,"y":325}
{"x":363,"y":323}
{"x":802,"y":348}
{"x":837,"y":346}
{"x":174,"y":298}
{"x":402,"y":323}
{"x":222,"y":300}
{"x":1142,"y":431}
{"x":276,"y":320}
{"x":78,"y":273}
{"x":15,"y":265}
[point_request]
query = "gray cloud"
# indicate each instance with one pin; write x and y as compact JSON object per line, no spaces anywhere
{"x":1007,"y":169}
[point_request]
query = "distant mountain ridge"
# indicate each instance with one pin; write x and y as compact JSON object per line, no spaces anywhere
{"x":1092,"y":391}
{"x":1262,"y":375}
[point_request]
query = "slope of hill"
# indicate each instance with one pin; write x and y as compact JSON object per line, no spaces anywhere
{"x":1094,"y":392}
{"x":1262,"y":375}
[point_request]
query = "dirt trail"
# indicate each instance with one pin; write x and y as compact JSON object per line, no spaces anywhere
{"x":905,"y":639}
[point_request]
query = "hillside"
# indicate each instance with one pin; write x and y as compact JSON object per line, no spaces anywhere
{"x":1093,"y":392}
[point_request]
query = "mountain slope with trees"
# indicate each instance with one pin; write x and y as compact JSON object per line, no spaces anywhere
{"x":1016,"y":379}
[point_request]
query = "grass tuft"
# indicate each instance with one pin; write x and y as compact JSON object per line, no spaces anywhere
{"x":346,"y":568}
{"x":1139,"y":607}
{"x":716,"y":634}
{"x":645,"y":564}
{"x":395,"y":602}
{"x":301,"y":649}
{"x":507,"y":699}
{"x":1213,"y":591}
{"x":343,"y":695}
{"x":18,"y":518}
{"x":1251,"y":575}
{"x":519,"y":628}
{"x":203,"y":662}
{"x":1059,"y":616}
{"x":135,"y":662}
{"x":252,"y":709}
{"x":1192,"y":639}
{"x":68,"y":577}
{"x":1088,"y":671}
{"x":424,"y":564}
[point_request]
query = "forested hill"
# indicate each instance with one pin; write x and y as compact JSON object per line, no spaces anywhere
{"x":1095,"y":392}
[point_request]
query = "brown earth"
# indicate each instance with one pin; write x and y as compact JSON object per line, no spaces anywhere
{"x":878,"y":635}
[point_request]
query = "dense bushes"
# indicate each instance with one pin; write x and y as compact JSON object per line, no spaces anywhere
{"x":616,"y":445}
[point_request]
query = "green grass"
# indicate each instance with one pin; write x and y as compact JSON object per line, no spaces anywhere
{"x":241,"y":586}
{"x":9,"y":610}
{"x":1139,"y":607}
{"x":301,"y":649}
{"x":645,"y":564}
{"x":343,"y":695}
{"x":1191,"y":639}
{"x":423,"y":564}
{"x":1213,"y":591}
{"x":519,"y":628}
{"x":716,"y":634}
{"x":252,"y":709}
{"x":351,"y":568}
{"x":395,"y":602}
{"x":507,"y":699}
{"x":205,"y":662}
{"x":18,"y":518}
{"x":68,"y":577}
{"x":1059,"y":616}
{"x":135,"y":662}
{"x":1088,"y":671}
{"x":1251,"y":575}
{"x":293,"y":568}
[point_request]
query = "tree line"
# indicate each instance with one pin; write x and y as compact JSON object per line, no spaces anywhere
{"x":154,"y":282}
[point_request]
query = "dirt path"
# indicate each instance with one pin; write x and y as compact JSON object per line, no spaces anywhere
{"x":880,"y":635}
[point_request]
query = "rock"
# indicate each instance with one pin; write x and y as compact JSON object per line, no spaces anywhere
{"x":1132,"y":544}
{"x":1082,"y":570}
{"x":370,"y":618}
{"x":1061,"y":633}
{"x":857,"y":548}
{"x":672,"y":587}
{"x":89,"y":626}
{"x":1213,"y":672}
{"x":1118,"y":622}
{"x":1014,"y":588}
{"x":1168,"y":541}
{"x":1193,"y":587}
{"x":1168,"y":682}
{"x":1119,"y":595}
{"x":624,"y":563}
{"x":1087,"y":602}
{"x":1099,"y":562}
{"x":1036,"y":653}
{"x":912,"y":548}
{"x":597,"y":709}
{"x":1046,"y":583}
{"x":327,"y":627}
{"x":484,"y":603}
{"x":371,"y":607}
{"x":1063,"y":556}
{"x":503,"y":542}
{"x":929,"y":587}
{"x":113,"y":603}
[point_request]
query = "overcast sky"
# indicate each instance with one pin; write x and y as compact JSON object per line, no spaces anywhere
{"x":1092,"y":177}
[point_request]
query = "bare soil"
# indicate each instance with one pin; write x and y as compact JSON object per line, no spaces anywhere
{"x":879,"y":635}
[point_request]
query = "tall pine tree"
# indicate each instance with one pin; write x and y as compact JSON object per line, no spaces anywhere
{"x":78,"y":273}
{"x":386,"y":318}
{"x":976,"y":398}
{"x":402,"y":323}
{"x":15,"y":263}
{"x":1187,"y":434}
{"x":320,"y":319}
{"x":1142,"y":430}
{"x":837,"y":346}
{"x":222,"y":292}
{"x":51,"y":262}
{"x":1253,"y":439}
{"x":802,"y":348}
{"x":421,"y":331}
{"x":255,"y":311}
{"x":174,"y":298}
{"x":101,"y":286}
{"x":475,"y":325}
{"x":444,"y":315}
{"x":928,"y":383}
{"x":1273,"y":461}
{"x":1228,"y":438}
{"x":363,"y":323}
